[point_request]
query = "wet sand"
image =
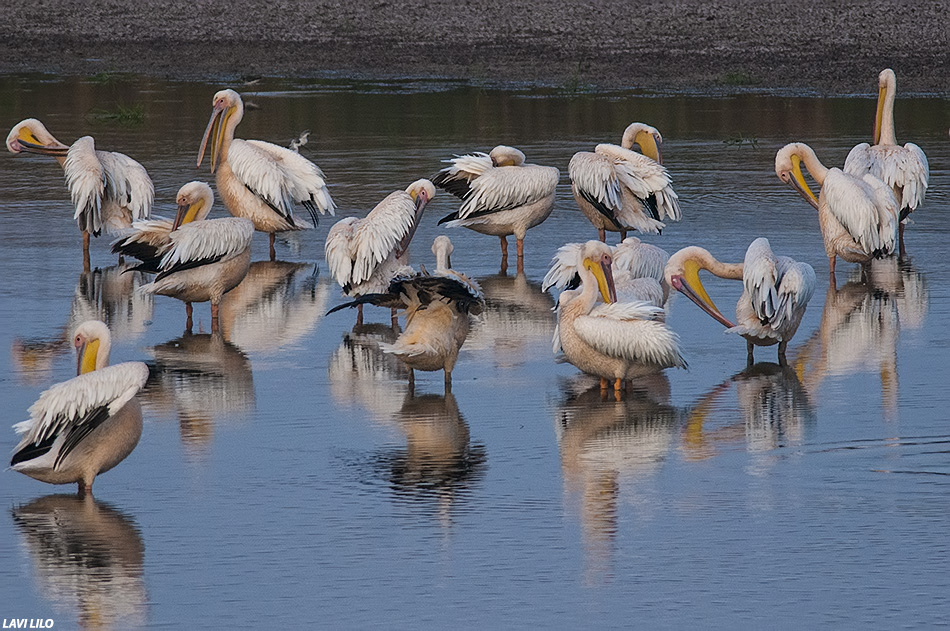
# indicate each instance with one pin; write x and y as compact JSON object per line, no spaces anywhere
{"x":810,"y":47}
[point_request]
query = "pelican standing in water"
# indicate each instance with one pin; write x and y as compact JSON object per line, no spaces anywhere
{"x":258,"y":180}
{"x":365,"y":254}
{"x":858,"y":215}
{"x":616,"y":341}
{"x":904,"y":169}
{"x":619,"y":189}
{"x":437,"y":314}
{"x":148,"y":240}
{"x":109,"y":190}
{"x":500,"y":194}
{"x":203,"y":260}
{"x":776,"y":290}
{"x":87,"y":425}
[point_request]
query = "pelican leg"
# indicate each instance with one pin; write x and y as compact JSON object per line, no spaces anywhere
{"x":85,"y":252}
{"x":214,"y":317}
{"x":273,"y":252}
{"x":395,"y":319}
{"x":504,"y":254}
{"x":359,"y":315}
{"x":781,"y":353}
{"x":448,"y":380}
{"x":520,"y":245}
{"x":602,"y":234}
{"x":623,"y":235}
{"x":603,"y":384}
{"x":750,"y":349}
{"x":188,"y":314}
{"x":900,"y":231}
{"x":412,"y":380}
{"x":831,"y":270}
{"x":618,"y":389}
{"x":84,"y":487}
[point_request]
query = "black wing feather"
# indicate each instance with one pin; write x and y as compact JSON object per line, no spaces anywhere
{"x":458,"y":186}
{"x":93,"y":419}
{"x":188,"y":265}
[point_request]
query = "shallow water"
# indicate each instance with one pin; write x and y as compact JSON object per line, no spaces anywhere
{"x":286,"y":477}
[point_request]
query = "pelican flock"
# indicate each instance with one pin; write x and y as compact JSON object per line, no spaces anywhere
{"x":610,"y":319}
{"x":110,"y":190}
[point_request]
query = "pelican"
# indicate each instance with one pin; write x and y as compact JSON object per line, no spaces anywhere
{"x":364,"y":255}
{"x":437,"y":316}
{"x":776,"y":290}
{"x":858,"y":215}
{"x":87,"y":425}
{"x":500,"y":195}
{"x":258,"y":180}
{"x":203,"y":261}
{"x":619,"y":189}
{"x":108,"y":189}
{"x":637,"y":269}
{"x":617,"y":341}
{"x":149,"y":240}
{"x":904,"y":169}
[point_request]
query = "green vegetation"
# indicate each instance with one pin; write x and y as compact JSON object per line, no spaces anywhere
{"x":122,"y":114}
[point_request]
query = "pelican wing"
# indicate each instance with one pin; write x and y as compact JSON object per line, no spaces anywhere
{"x":916,"y":174}
{"x":145,"y":240}
{"x":304,"y":178}
{"x":377,"y":236}
{"x":81,"y":401}
{"x":263,"y":175}
{"x":904,"y":168}
{"x":645,"y":178}
{"x":86,"y":181}
{"x":424,"y":289}
{"x":866,"y":208}
{"x":456,"y":179}
{"x":594,"y":178}
{"x":563,"y":267}
{"x":505,"y":188}
{"x":795,"y":289}
{"x":127,"y":183}
{"x":204,"y":242}
{"x":760,"y":277}
{"x":631,"y":289}
{"x":339,"y":250}
{"x":641,"y":259}
{"x":610,"y":330}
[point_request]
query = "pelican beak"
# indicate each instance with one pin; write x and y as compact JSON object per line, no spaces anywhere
{"x":180,"y":216}
{"x":215,"y":131}
{"x":799,"y":184}
{"x":649,"y":145}
{"x":691,"y":286}
{"x":879,"y":114}
{"x":25,"y":142}
{"x":86,"y":352}
{"x":421,"y":198}
{"x":604,"y":276}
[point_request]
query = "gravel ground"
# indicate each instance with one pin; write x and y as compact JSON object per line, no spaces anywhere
{"x":828,"y":47}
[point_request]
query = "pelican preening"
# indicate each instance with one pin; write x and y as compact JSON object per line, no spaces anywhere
{"x":776,"y":290}
{"x":500,"y":194}
{"x":109,"y":190}
{"x":364,"y":255}
{"x":258,"y":180}
{"x":437,"y":315}
{"x":616,"y":341}
{"x":202,"y":260}
{"x":904,"y":169}
{"x":618,"y":189}
{"x":87,"y":425}
{"x":858,"y":215}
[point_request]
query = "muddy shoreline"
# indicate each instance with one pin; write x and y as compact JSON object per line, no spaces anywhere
{"x":810,"y":47}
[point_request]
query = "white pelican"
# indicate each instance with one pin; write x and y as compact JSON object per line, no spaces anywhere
{"x":619,"y":189}
{"x":904,"y":169}
{"x":204,"y":261}
{"x":617,"y":341}
{"x":437,"y":317}
{"x":637,"y":269}
{"x":108,"y":189}
{"x":149,"y":240}
{"x":87,"y":425}
{"x":259,"y":180}
{"x":776,"y":291}
{"x":500,"y":195}
{"x":858,"y":215}
{"x":364,"y":255}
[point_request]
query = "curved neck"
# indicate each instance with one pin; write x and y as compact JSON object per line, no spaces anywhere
{"x":884,"y":122}
{"x":812,"y":163}
{"x":700,"y":258}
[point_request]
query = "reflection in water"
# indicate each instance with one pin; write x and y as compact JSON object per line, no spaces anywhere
{"x":362,"y":374}
{"x":774,"y":407}
{"x":517,"y":314}
{"x":106,"y":294}
{"x":88,"y":557}
{"x":604,"y":443}
{"x":860,"y":324}
{"x":439,"y":466}
{"x":202,"y":378}
{"x":276,"y":305}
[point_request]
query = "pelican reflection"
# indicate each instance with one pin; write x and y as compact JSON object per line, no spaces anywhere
{"x":611,"y":448}
{"x":774,"y":407}
{"x":88,"y":558}
{"x":362,"y":375}
{"x":202,"y":378}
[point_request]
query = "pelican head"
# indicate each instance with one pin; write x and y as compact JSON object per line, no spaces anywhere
{"x":227,"y":113}
{"x":596,"y":258}
{"x":93,"y":342}
{"x":31,"y":135}
{"x":682,"y":274}
{"x":886,"y":89}
{"x":646,"y":137}
{"x":505,"y":156}
{"x":788,"y":168}
{"x":194,"y":203}
{"x":421,"y":192}
{"x":442,"y":248}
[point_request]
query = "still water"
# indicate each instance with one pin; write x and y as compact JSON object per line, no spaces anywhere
{"x":287,"y":477}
